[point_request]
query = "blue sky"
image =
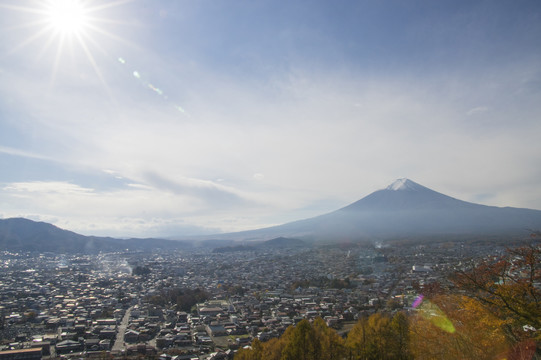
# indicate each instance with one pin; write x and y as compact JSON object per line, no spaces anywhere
{"x":167,"y":118}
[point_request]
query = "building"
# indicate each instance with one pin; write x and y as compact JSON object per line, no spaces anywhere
{"x":23,"y":354}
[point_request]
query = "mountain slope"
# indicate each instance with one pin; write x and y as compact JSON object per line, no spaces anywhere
{"x":19,"y":234}
{"x":406,"y":209}
{"x":405,"y":194}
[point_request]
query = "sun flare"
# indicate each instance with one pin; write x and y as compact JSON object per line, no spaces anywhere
{"x":67,"y":17}
{"x":66,"y":32}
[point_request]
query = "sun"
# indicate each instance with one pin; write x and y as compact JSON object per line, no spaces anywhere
{"x":67,"y":17}
{"x":74,"y":36}
{"x":65,"y":32}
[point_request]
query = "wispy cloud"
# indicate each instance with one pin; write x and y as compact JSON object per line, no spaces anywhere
{"x":477,"y":110}
{"x":30,"y":188}
{"x":23,"y":153}
{"x":213,"y":194}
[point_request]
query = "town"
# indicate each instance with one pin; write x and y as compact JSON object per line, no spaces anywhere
{"x":205,"y":303}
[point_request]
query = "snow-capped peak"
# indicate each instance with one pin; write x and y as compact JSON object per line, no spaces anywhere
{"x":402,"y":184}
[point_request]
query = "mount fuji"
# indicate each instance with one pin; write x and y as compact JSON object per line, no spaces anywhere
{"x":406,"y":209}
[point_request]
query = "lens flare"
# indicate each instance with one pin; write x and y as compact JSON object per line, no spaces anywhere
{"x":434,"y":314}
{"x":136,"y":74}
{"x":417,"y":301}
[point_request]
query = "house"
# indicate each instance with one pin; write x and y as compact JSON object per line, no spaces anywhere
{"x":141,"y":349}
{"x":105,"y":344}
{"x":210,"y":311}
{"x":216,"y":330}
{"x":131,"y":336}
{"x":68,"y":346}
{"x":92,"y":344}
{"x":107,"y":333}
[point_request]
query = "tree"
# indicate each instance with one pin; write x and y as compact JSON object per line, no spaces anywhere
{"x":253,"y":353}
{"x":332,"y":345}
{"x":380,"y":337}
{"x":141,"y":270}
{"x":509,"y":287}
{"x":189,"y":297}
{"x":357,"y":340}
{"x":272,"y":349}
{"x":371,"y":338}
{"x":400,"y":330}
{"x":302,"y":343}
{"x":476,"y":332}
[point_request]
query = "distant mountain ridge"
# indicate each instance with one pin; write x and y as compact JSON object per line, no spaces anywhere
{"x":402,"y":209}
{"x":19,"y":234}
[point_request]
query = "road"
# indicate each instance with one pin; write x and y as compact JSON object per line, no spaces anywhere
{"x":119,"y":340}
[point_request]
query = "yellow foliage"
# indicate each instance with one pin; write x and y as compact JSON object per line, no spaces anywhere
{"x":478,"y":334}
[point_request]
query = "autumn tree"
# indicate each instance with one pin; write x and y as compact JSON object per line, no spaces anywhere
{"x":509,"y":288}
{"x":304,"y":341}
{"x":269,"y":350}
{"x":400,"y":332}
{"x":332,"y":345}
{"x":302,"y":344}
{"x":379,"y":337}
{"x":245,"y":354}
{"x":272,"y":349}
{"x":252,"y":353}
{"x":357,"y":340}
{"x":454,"y":326}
